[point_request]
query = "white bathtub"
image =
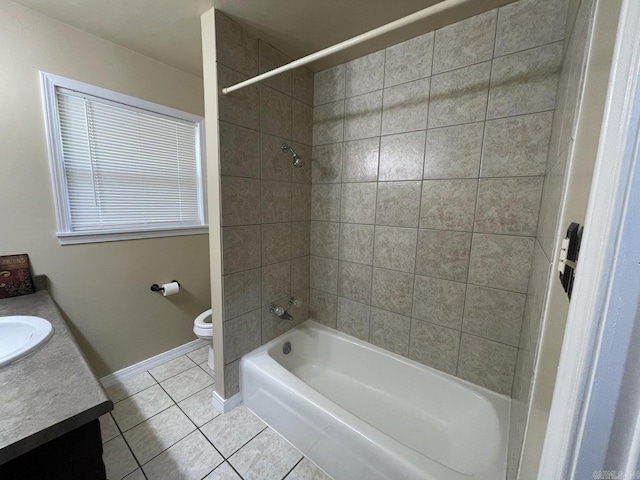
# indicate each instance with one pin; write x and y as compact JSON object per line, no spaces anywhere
{"x":360,"y":412}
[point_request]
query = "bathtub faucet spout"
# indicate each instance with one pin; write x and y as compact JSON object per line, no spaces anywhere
{"x":280,"y":312}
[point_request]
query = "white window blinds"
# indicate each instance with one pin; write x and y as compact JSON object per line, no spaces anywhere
{"x":127,"y":168}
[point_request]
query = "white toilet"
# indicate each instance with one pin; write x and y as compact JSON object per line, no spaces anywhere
{"x":203,"y":328}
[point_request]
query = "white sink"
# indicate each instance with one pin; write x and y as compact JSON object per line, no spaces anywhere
{"x":20,"y":335}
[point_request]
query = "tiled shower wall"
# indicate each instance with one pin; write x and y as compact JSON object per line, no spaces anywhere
{"x":265,"y":202}
{"x":428,"y":166}
{"x":578,"y":21}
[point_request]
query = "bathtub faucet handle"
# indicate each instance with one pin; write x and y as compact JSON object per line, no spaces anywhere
{"x":276,"y":310}
{"x":295,"y":302}
{"x":280,"y":312}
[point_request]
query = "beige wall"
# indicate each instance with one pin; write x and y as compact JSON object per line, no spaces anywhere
{"x":102,"y":288}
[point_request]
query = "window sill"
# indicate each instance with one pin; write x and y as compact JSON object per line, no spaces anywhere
{"x":69,"y":238}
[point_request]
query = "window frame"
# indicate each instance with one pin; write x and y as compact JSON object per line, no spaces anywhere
{"x":66,"y":236}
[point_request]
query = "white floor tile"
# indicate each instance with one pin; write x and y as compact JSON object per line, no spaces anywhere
{"x":136,"y":409}
{"x":307,"y":470}
{"x":205,"y":367}
{"x":158,"y":433}
{"x":200,"y":355}
{"x":128,"y":387}
{"x":108,"y":428}
{"x":191,"y":458}
{"x":266,"y":457}
{"x":136,"y":475}
{"x":171,"y":368}
{"x":230,"y":431}
{"x":199,"y":407}
{"x":118,"y":459}
{"x":223,"y":472}
{"x":187,"y":383}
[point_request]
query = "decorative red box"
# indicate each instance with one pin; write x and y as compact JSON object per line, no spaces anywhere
{"x":15,"y":276}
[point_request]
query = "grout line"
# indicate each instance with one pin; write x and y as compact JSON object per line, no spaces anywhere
{"x":234,"y":469}
{"x":293,"y":468}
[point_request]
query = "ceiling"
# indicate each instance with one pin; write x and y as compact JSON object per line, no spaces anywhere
{"x":169,"y":30}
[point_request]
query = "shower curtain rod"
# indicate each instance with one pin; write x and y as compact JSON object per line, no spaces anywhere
{"x":401,"y":22}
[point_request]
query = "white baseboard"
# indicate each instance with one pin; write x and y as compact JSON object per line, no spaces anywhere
{"x":149,"y":363}
{"x":226,"y":405}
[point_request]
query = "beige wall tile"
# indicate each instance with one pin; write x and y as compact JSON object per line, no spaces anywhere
{"x":500,"y":261}
{"x":434,"y":346}
{"x":236,"y":48}
{"x":241,"y":292}
{"x":242,"y":334}
{"x":409,"y":60}
{"x":302,"y":85}
{"x":353,"y":318}
{"x":438,"y":301}
{"x":276,"y":201}
{"x":448,"y":204}
{"x":486,"y":363}
{"x":360,"y":160}
{"x":276,"y":164}
{"x":465,"y":43}
{"x":328,"y":123}
{"x":239,"y":151}
{"x":325,"y":238}
{"x":493,"y":314}
{"x":329,"y":85}
{"x":241,"y":248}
{"x":300,"y":239}
{"x":459,"y":96}
{"x":365,"y":74}
{"x":405,"y":107}
{"x":275,"y":112}
{"x":270,"y":58}
{"x":395,"y":248}
{"x":363,"y":116}
{"x":356,"y":243}
{"x":398,"y":204}
{"x":525,"y":82}
{"x":443,"y":254}
{"x":454,"y":152}
{"x":327,"y":163}
{"x":276,"y":243}
{"x":324,"y":274}
{"x":358,"y":203}
{"x":517,"y":146}
{"x":392,"y":290}
{"x":276,"y":282}
{"x":390,"y":331}
{"x":402,"y":156}
{"x":530,"y":23}
{"x":508,"y":205}
{"x":240,"y":200}
{"x":325,"y":202}
{"x":354,"y":282}
{"x":323,"y":308}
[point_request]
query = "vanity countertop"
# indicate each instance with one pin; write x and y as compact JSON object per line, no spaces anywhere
{"x":49,"y":392}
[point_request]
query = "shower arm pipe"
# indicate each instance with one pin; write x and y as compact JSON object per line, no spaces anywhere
{"x":338,"y":47}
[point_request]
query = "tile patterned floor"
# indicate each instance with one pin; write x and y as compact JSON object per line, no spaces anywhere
{"x":164,"y":427}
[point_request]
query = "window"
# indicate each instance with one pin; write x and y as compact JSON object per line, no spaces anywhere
{"x":122,"y":167}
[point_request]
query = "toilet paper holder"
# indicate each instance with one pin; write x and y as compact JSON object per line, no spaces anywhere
{"x":157,"y":288}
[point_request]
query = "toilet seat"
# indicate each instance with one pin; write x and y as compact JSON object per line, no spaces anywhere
{"x":202,"y":325}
